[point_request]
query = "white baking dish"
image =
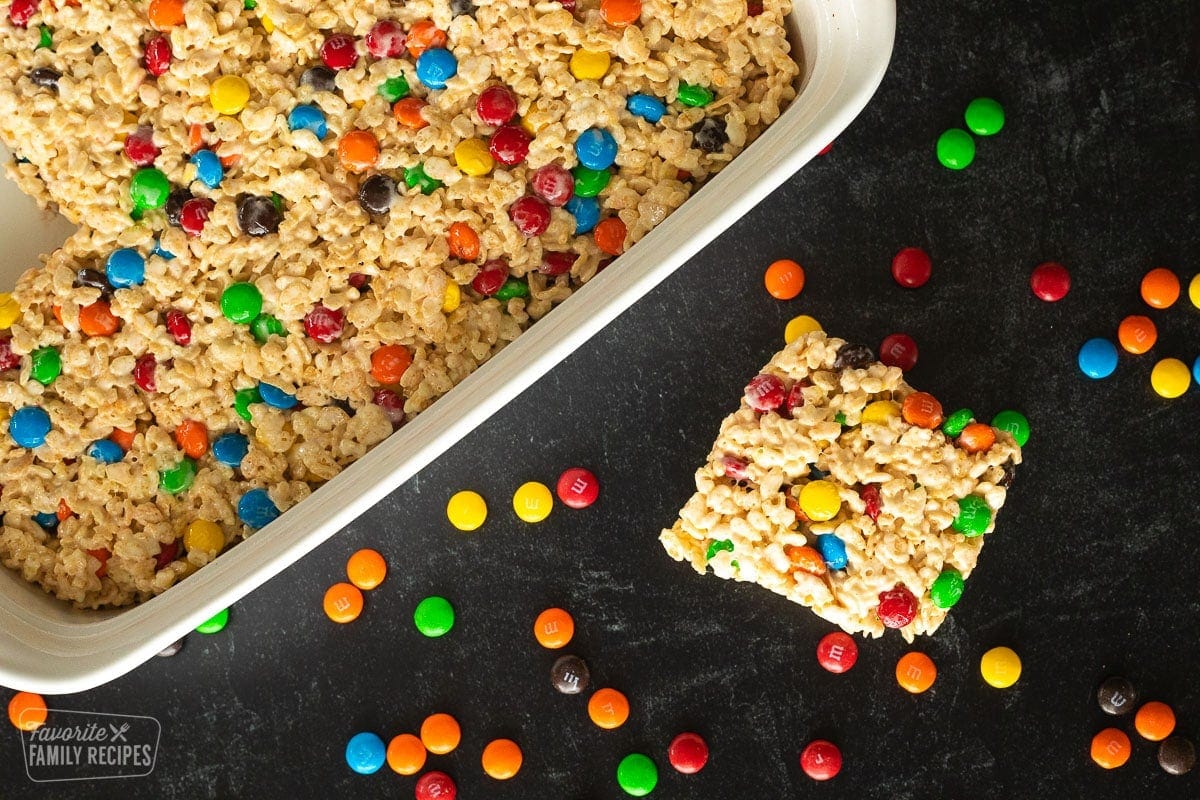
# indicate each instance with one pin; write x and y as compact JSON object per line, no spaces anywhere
{"x":49,"y":647}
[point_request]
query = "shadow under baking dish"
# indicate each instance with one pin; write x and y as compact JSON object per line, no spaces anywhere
{"x":47,"y":646}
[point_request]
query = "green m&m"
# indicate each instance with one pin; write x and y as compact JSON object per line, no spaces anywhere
{"x":956,"y":149}
{"x":984,"y":116}
{"x":694,"y":96}
{"x":45,"y":38}
{"x":434,"y":616}
{"x":416,"y":176}
{"x":265,"y":326}
{"x":394,"y":89}
{"x":178,"y":478}
{"x":243,"y":399}
{"x":45,"y":364}
{"x":590,"y":182}
{"x":947,"y":588}
{"x":974,"y":515}
{"x":1015,"y":423}
{"x":637,"y":775}
{"x":955,"y":423}
{"x":148,"y":188}
{"x":216,"y":623}
{"x":241,"y":303}
{"x":513,"y":287}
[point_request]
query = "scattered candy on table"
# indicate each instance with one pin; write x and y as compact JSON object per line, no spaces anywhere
{"x":366,"y":569}
{"x":577,"y":488}
{"x":1170,"y":378}
{"x":798,"y":326}
{"x":434,"y":616}
{"x":570,"y":675}
{"x":1137,"y":334}
{"x":1050,"y":281}
{"x":955,"y":149}
{"x":1160,"y":288}
{"x":911,"y":267}
{"x":608,"y":708}
{"x":1154,"y":721}
{"x":637,"y":775}
{"x":984,"y":116}
{"x":898,"y":350}
{"x":837,"y":652}
{"x":440,"y":733}
{"x":343,"y":602}
{"x":27,"y":711}
{"x":502,"y":759}
{"x":533,"y":502}
{"x":821,"y":760}
{"x":466,"y":510}
{"x":784,"y":279}
{"x":1000,"y":667}
{"x":915,"y":672}
{"x":554,"y":628}
{"x":365,"y":753}
{"x":1110,"y":748}
{"x":214,"y":624}
{"x":1117,"y":696}
{"x":406,"y":754}
{"x":1098,"y":358}
{"x":688,"y":753}
{"x":436,"y":786}
{"x":1177,"y":755}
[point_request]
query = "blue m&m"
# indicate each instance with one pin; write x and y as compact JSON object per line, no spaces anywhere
{"x":230,"y":449}
{"x":256,"y":509}
{"x":435,"y":67}
{"x":208,"y":168}
{"x":276,"y":397}
{"x":833,"y":550}
{"x":106,"y":451}
{"x":125,"y":267}
{"x":308,"y":118}
{"x":586,"y":212}
{"x":596,"y":148}
{"x":646,"y":106}
{"x":47,"y":519}
{"x":1098,"y":358}
{"x":29,"y":426}
{"x":365,"y":753}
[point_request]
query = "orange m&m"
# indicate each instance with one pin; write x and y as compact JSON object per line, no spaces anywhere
{"x":1154,"y":721}
{"x":1137,"y":334}
{"x":502,"y":759}
{"x":358,"y":151}
{"x":27,"y":711}
{"x":608,"y":708}
{"x":922,"y":409}
{"x":366,"y":569}
{"x":784,"y":279}
{"x":554,"y":628}
{"x":1110,"y":748}
{"x":915,"y":672}
{"x":440,"y":733}
{"x":343,"y":602}
{"x":1160,"y":288}
{"x":406,"y":754}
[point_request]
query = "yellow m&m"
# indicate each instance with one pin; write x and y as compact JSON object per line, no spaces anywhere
{"x":451,"y":298}
{"x":203,"y":536}
{"x":10,"y":311}
{"x":819,"y":500}
{"x":798,"y":326}
{"x":880,"y":412}
{"x":589,"y":65}
{"x":1000,"y":667}
{"x":1170,"y":377}
{"x":229,"y":94}
{"x":473,"y":158}
{"x":1194,"y":290}
{"x":533,"y":501}
{"x":466,"y":510}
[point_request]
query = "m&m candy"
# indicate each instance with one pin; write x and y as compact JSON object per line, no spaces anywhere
{"x":203,"y":536}
{"x":307,"y":117}
{"x":209,"y":170}
{"x":1177,"y":755}
{"x":984,"y":116}
{"x":837,"y":652}
{"x":646,"y":106}
{"x":586,"y":212}
{"x":28,"y":427}
{"x":799,"y":326}
{"x":105,"y":451}
{"x":1117,"y":696}
{"x":1160,"y":288}
{"x":366,"y":569}
{"x":406,"y":754}
{"x":553,"y":628}
{"x":1110,"y":748}
{"x":125,"y":267}
{"x":229,"y":94}
{"x":230,"y":449}
{"x":533,"y":502}
{"x":911,"y":267}
{"x":214,"y":624}
{"x":898,"y":350}
{"x":637,"y":775}
{"x":501,"y":759}
{"x":1194,"y":290}
{"x":435,"y":786}
{"x":947,"y":588}
{"x":974,"y":516}
{"x":596,"y":148}
{"x":820,"y":500}
{"x":784,"y":279}
{"x":1154,"y":721}
{"x":1098,"y":358}
{"x":436,"y":66}
{"x":608,"y":708}
{"x":27,"y":711}
{"x":275,"y":397}
{"x":915,"y":672}
{"x":1050,"y":282}
{"x":1170,"y":378}
{"x":343,"y":603}
{"x":256,"y":509}
{"x":1137,"y":334}
{"x":821,"y":760}
{"x":466,"y":510}
{"x":570,"y":675}
{"x":832,"y":550}
{"x":589,"y":65}
{"x":1015,"y":423}
{"x":365,"y":753}
{"x":577,"y":488}
{"x":434,"y":616}
{"x":1000,"y":667}
{"x":241,"y":302}
{"x":688,"y":753}
{"x":440,"y":733}
{"x":955,"y":149}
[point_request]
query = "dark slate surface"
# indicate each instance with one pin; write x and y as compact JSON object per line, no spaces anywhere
{"x":1092,"y":572}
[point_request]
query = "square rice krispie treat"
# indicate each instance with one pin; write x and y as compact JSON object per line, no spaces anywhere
{"x":838,"y":486}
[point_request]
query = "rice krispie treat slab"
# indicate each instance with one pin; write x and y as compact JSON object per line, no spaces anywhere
{"x":837,"y":485}
{"x":301,"y":223}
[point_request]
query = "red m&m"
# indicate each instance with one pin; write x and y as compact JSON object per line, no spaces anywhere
{"x":688,"y":753}
{"x":821,"y":760}
{"x":912,"y":267}
{"x":436,"y":786}
{"x":578,"y":488}
{"x":898,"y":350}
{"x":837,"y":652}
{"x":1050,"y":282}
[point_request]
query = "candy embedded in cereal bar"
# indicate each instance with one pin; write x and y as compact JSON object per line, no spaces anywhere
{"x":836,"y":485}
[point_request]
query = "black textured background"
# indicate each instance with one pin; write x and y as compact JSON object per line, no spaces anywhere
{"x":1092,"y":571}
